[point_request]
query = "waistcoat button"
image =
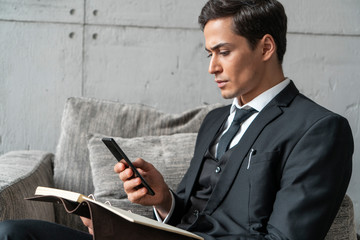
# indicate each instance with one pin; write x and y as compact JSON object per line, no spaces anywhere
{"x":196,"y":213}
{"x":218,"y":169}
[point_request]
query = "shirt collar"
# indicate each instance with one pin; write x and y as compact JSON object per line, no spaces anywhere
{"x":263,"y":99}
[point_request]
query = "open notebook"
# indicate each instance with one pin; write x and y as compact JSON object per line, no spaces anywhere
{"x":79,"y":204}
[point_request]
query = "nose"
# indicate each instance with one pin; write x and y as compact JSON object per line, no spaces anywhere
{"x":214,"y":65}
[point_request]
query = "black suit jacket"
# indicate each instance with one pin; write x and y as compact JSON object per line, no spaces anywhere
{"x":296,"y":179}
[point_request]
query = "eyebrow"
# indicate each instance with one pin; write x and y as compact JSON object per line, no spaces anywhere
{"x":217,"y":46}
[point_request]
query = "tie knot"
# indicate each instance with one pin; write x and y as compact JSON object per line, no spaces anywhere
{"x":242,"y":114}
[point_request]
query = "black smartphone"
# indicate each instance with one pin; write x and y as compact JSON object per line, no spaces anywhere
{"x":119,"y":155}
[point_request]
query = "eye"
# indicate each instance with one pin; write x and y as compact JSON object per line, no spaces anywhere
{"x":224,"y":53}
{"x":209,"y":55}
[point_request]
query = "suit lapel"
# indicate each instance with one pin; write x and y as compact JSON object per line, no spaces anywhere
{"x":238,"y":153}
{"x":210,"y":130}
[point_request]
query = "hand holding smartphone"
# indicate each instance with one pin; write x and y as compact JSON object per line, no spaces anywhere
{"x":119,"y":155}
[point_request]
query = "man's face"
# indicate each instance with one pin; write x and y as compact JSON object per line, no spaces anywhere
{"x":237,"y":68}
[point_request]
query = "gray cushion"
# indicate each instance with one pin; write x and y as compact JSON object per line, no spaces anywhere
{"x":170,"y":154}
{"x":82,"y":116}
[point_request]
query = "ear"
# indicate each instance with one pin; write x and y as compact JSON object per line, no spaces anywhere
{"x":268,"y":47}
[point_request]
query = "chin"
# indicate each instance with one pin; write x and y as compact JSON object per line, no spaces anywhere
{"x":228,"y":95}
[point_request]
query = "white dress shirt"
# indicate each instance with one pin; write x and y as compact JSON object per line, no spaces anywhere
{"x":258,"y":104}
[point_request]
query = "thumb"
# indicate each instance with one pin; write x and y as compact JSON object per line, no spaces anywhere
{"x":142,"y":164}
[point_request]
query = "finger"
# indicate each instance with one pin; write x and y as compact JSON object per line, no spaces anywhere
{"x":124,"y":162}
{"x":141,"y":163}
{"x":86,"y":221}
{"x":136,"y":196}
{"x":120,"y":166}
{"x":127,"y":174}
{"x":83,"y":220}
{"x":132,"y":185}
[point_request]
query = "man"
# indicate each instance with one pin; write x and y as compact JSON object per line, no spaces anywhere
{"x":273,"y":165}
{"x":286,"y":170}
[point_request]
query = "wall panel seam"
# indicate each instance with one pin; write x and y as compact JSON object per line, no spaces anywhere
{"x":40,"y":22}
{"x":83,"y":53}
{"x":84,"y":24}
{"x":324,"y":34}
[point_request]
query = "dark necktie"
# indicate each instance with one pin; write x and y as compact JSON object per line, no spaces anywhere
{"x":240,"y":116}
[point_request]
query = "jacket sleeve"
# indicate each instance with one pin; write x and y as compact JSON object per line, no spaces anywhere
{"x":314,"y":181}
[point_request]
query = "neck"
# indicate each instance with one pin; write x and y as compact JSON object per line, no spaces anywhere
{"x":272,"y":76}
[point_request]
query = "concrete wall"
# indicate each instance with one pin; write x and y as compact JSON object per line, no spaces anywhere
{"x":151,"y":52}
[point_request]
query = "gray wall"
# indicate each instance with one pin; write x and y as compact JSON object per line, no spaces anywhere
{"x":152,"y":52}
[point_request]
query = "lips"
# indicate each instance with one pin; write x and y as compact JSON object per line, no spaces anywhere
{"x":221,"y":83}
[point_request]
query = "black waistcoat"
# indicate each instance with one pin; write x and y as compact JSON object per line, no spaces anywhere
{"x":210,"y":173}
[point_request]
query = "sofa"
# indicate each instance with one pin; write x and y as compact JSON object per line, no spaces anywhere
{"x":83,"y":164}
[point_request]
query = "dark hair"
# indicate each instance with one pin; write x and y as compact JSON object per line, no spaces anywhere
{"x":252,"y":19}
